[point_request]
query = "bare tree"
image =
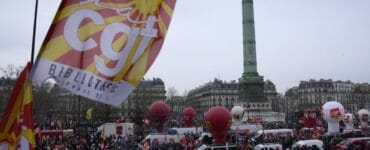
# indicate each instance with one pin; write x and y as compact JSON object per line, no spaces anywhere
{"x":10,"y":71}
{"x":171,"y":92}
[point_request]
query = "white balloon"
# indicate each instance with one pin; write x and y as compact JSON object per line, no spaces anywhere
{"x":237,"y":113}
{"x":348,"y":120}
{"x":333,"y":112}
{"x":363,"y":115}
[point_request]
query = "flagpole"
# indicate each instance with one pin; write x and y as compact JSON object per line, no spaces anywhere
{"x":34,"y":33}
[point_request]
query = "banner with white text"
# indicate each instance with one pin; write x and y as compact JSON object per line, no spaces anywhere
{"x":101,"y":49}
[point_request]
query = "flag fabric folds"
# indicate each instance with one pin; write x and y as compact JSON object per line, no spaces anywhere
{"x":16,"y":126}
{"x":101,"y":49}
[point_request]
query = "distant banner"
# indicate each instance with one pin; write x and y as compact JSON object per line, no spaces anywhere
{"x":101,"y":49}
{"x":89,"y":113}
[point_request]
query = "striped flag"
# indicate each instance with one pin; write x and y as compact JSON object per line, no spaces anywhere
{"x":16,"y":126}
{"x":101,"y":49}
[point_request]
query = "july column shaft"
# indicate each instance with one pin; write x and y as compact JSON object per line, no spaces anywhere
{"x":249,"y":38}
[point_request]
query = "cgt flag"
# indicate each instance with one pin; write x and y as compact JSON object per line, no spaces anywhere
{"x":16,"y":126}
{"x":101,"y":49}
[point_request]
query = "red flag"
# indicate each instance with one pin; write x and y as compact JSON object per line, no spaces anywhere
{"x":16,"y":127}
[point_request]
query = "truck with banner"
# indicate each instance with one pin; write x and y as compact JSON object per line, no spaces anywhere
{"x":117,"y":129}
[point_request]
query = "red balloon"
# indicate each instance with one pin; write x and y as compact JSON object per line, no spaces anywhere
{"x":159,"y":113}
{"x":188,"y":114}
{"x":218,"y":121}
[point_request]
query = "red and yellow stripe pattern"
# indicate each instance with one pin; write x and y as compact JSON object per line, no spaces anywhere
{"x":17,"y":119}
{"x":55,"y":47}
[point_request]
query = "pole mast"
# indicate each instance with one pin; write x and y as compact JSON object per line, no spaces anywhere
{"x":34,"y":33}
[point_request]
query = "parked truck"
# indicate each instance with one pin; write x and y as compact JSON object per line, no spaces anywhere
{"x":116,"y":129}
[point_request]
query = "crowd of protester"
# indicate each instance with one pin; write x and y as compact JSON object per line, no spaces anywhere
{"x":87,"y":137}
{"x":84,"y":138}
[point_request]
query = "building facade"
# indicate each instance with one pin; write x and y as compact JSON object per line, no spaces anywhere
{"x":291,"y":102}
{"x":343,"y":92}
{"x":361,"y":97}
{"x":52,"y":102}
{"x":222,"y":93}
{"x":215,"y":93}
{"x":272,"y":96}
{"x":312,"y":94}
{"x":147,"y":92}
{"x":60,"y":104}
{"x":177,"y":104}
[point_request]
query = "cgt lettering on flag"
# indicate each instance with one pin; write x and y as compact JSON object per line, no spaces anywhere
{"x":101,"y":49}
{"x":107,"y":38}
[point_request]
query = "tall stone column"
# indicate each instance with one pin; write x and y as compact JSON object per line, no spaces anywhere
{"x":251,"y":90}
{"x":249,"y":42}
{"x":251,"y":85}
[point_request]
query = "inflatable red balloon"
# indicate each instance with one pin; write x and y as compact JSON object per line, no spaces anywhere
{"x":188,"y":114}
{"x":159,"y":113}
{"x":218,"y":121}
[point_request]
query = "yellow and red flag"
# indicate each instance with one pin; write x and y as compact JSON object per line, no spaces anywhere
{"x":101,"y":49}
{"x":89,"y":113}
{"x":16,"y":126}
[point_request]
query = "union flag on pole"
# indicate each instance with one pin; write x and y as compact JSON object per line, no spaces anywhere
{"x":101,"y":49}
{"x":16,"y":126}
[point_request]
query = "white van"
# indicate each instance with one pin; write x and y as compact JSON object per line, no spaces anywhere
{"x":308,"y":144}
{"x":268,"y":146}
{"x":112,"y":128}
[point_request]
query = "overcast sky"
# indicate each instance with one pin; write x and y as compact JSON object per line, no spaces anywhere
{"x":296,"y":40}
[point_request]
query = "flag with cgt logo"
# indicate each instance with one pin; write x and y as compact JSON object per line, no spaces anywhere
{"x":101,"y":49}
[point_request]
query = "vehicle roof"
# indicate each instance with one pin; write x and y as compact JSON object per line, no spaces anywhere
{"x":253,"y":127}
{"x":265,"y":144}
{"x":313,"y":141}
{"x":268,"y":145}
{"x":216,"y":147}
{"x":115,"y":123}
{"x":187,"y":128}
{"x":190,"y":129}
{"x":160,"y":135}
{"x":275,"y":130}
{"x":358,"y":138}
